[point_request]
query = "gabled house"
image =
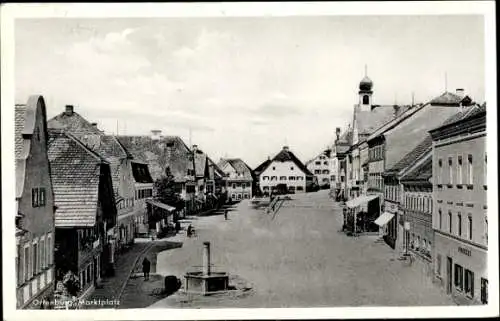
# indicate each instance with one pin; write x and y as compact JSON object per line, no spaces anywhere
{"x":320,"y":167}
{"x":162,"y":152}
{"x":216,"y":187}
{"x":132,"y":182}
{"x":338,"y":161}
{"x":256,"y":174}
{"x":285,"y":174}
{"x":35,"y":229}
{"x":239,"y":179}
{"x":86,"y":211}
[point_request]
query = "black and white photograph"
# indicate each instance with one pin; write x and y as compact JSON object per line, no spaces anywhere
{"x":220,"y":157}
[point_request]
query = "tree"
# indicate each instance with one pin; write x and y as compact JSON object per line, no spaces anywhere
{"x":165,"y":191}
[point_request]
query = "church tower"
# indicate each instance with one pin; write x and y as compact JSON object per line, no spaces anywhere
{"x":365,"y":92}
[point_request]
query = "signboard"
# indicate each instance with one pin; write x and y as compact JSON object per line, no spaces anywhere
{"x":407,"y":226}
{"x":464,"y":251}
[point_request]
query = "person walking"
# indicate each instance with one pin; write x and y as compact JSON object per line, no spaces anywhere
{"x":146,"y":265}
{"x":225,"y":215}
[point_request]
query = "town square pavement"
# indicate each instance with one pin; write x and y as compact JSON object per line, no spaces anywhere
{"x":299,"y":259}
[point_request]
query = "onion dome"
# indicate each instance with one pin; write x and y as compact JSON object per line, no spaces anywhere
{"x":366,"y":84}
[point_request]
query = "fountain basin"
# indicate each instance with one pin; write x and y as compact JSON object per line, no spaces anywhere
{"x":206,"y":284}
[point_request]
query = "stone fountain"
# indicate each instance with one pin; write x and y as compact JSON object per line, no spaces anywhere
{"x":206,"y":281}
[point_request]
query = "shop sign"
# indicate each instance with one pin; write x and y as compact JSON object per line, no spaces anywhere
{"x":407,"y":226}
{"x":464,"y":251}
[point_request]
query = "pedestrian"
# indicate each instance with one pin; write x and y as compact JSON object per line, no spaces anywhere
{"x":189,"y":230}
{"x":225,"y":215}
{"x":146,"y":265}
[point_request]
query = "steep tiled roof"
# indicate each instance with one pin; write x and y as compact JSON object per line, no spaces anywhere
{"x":214,"y":170}
{"x":423,"y":172}
{"x":448,"y":99}
{"x":424,"y":146}
{"x":369,"y":120}
{"x":408,"y":134}
{"x":75,"y":173}
{"x":259,"y":169}
{"x":169,"y":151}
{"x":240,"y":167}
{"x":73,"y":123}
{"x":286,"y":155}
{"x":109,"y":148}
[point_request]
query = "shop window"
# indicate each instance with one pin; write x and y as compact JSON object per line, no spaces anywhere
{"x":469,"y":283}
{"x":459,"y":169}
{"x":484,"y":291}
{"x":459,"y":277}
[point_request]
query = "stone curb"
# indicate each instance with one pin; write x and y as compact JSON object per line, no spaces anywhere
{"x":122,"y":289}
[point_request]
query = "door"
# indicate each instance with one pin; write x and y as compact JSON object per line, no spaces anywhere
{"x":449,"y":274}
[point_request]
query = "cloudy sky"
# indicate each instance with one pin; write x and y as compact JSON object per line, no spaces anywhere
{"x":245,"y":86}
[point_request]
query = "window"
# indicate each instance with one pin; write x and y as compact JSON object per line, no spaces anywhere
{"x":459,"y":223}
{"x":459,"y":277}
{"x":50,"y":249}
{"x":42,"y":254}
{"x":35,"y":258}
{"x":291,"y":168}
{"x":469,"y":283}
{"x":470,"y":171}
{"x":273,"y":178}
{"x":274,"y":168}
{"x":317,"y":163}
{"x":317,"y":171}
{"x":459,"y":169}
{"x":325,"y":163}
{"x":34,"y":197}
{"x":438,"y":265}
{"x":366,"y":100}
{"x":26,"y":260}
{"x":325,"y":171}
{"x":42,"y":196}
{"x":450,"y":169}
{"x":292,"y":178}
{"x":233,"y":196}
{"x":470,"y":226}
{"x":484,"y":291}
{"x":486,"y":229}
{"x":243,"y":185}
{"x":265,"y":178}
{"x":234,"y":185}
{"x":282,"y":178}
{"x":440,"y":171}
{"x":450,"y":226}
{"x":332,"y":178}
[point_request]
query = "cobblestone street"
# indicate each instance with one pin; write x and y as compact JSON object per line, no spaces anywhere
{"x":299,"y":259}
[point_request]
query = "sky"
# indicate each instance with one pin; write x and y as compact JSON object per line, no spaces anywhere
{"x":243,"y":87}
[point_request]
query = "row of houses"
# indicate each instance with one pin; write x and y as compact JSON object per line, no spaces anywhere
{"x":83,"y":196}
{"x":418,"y":173}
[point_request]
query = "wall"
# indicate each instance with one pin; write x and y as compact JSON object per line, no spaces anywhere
{"x":279,"y":169}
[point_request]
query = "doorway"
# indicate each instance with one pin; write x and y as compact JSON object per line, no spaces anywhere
{"x":449,"y":271}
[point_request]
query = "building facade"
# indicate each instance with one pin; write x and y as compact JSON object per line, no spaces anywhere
{"x":460,"y":219}
{"x":285,"y":174}
{"x":321,"y":168}
{"x":239,"y":179}
{"x":35,"y":227}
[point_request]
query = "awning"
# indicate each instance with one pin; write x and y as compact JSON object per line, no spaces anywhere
{"x":360,"y":200}
{"x":161,"y":205}
{"x":384,"y":219}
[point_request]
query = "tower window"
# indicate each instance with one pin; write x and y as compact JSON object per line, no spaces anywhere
{"x":366,"y":100}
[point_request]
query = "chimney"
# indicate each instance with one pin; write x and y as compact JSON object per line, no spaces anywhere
{"x":285,"y":148}
{"x":69,"y":110}
{"x":94,"y":125}
{"x":337,"y":133}
{"x":460,"y":92}
{"x":195,"y":148}
{"x":155,"y":134}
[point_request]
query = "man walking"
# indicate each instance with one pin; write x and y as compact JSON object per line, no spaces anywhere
{"x":225,"y":215}
{"x":146,"y":265}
